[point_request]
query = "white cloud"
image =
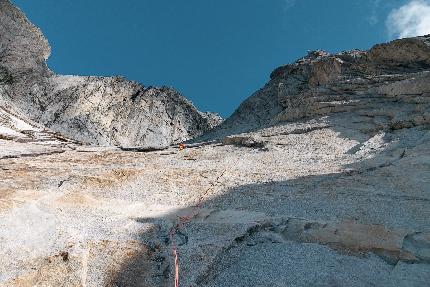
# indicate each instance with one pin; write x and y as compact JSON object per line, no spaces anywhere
{"x":412,"y":19}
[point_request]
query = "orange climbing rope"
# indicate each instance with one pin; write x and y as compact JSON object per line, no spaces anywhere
{"x":175,"y":254}
{"x":183,"y":220}
{"x":172,"y":233}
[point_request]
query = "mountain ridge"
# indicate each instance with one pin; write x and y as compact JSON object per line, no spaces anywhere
{"x":61,"y":103}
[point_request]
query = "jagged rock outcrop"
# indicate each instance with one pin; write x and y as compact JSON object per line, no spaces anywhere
{"x":390,"y":83}
{"x":93,"y":110}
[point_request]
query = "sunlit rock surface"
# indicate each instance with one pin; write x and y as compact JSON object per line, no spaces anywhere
{"x":109,"y":111}
{"x":322,"y":178}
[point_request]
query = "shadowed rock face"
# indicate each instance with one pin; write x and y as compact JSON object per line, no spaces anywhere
{"x":94,"y":110}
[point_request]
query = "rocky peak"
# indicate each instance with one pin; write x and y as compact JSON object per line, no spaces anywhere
{"x":23,"y":48}
{"x":92,"y":110}
{"x":392,"y":75}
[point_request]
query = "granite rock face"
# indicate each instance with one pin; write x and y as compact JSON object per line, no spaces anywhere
{"x":389,"y":84}
{"x":321,"y":178}
{"x":93,"y":110}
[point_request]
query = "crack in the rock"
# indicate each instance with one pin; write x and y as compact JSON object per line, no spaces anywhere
{"x":411,"y":249}
{"x":298,"y":131}
{"x":36,"y":154}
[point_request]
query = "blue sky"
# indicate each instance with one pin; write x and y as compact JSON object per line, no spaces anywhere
{"x":216,"y":53}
